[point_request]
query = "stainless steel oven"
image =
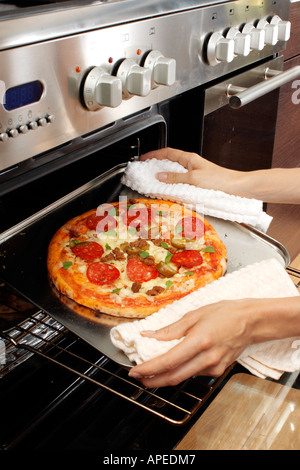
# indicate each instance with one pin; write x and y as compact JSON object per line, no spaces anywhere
{"x":86,"y":87}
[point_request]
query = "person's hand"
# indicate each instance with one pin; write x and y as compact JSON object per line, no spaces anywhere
{"x":279,"y":185}
{"x":201,"y":172}
{"x":214,"y":337}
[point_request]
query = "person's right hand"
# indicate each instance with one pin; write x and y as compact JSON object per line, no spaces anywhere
{"x":213,"y":338}
{"x":201,"y":172}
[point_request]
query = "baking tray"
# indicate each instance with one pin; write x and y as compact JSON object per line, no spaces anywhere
{"x":23,"y":252}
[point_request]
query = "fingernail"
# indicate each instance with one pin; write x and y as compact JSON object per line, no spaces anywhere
{"x":162,"y":176}
{"x":135,"y":375}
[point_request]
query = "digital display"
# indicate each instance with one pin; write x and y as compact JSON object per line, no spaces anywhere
{"x":22,"y":95}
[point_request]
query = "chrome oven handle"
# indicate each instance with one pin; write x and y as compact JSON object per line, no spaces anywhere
{"x":239,"y":96}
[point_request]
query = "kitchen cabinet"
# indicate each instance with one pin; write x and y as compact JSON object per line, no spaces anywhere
{"x":285,"y":226}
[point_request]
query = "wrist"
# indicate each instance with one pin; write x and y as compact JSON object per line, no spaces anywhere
{"x":272,"y":319}
{"x":244,"y":184}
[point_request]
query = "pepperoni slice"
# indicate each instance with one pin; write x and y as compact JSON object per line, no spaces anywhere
{"x":102,"y":273}
{"x":187,"y":258}
{"x":190,"y":227}
{"x":88,"y":251}
{"x":101,"y":223}
{"x":137,"y":271}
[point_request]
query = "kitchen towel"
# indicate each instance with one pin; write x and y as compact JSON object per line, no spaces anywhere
{"x":265,"y":279}
{"x":140,"y":176}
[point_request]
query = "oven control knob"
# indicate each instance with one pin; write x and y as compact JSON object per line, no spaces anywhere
{"x":136,"y":80}
{"x":219,"y":49}
{"x":101,"y":89}
{"x":241,"y":41}
{"x":271,"y":32}
{"x":163,"y":69}
{"x":257,"y":36}
{"x":284,"y":28}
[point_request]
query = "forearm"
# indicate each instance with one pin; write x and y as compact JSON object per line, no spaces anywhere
{"x":272,"y":319}
{"x":281,"y":185}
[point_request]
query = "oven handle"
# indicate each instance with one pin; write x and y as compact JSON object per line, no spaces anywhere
{"x":239,"y":96}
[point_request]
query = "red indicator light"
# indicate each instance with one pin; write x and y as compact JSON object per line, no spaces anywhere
{"x":110,"y":60}
{"x":77,"y":69}
{"x":139,"y":51}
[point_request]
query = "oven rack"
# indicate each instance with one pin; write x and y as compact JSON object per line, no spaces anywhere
{"x":42,"y":335}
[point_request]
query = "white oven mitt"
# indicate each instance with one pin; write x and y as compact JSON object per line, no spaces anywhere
{"x":140,"y":176}
{"x":265,"y":279}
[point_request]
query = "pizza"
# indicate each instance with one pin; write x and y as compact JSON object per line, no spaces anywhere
{"x":133,"y":257}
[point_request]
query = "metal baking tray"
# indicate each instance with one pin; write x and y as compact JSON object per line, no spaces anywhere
{"x":23,"y":252}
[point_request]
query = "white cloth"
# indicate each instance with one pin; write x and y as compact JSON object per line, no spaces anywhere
{"x":265,"y":279}
{"x":141,"y":177}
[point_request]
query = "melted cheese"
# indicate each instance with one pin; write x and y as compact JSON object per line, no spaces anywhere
{"x":114,"y":239}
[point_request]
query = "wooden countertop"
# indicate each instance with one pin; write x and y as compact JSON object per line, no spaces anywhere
{"x":249,"y":413}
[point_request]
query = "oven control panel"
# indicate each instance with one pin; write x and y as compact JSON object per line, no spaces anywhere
{"x":23,"y":128}
{"x":54,"y":91}
{"x":242,"y":39}
{"x":101,"y":88}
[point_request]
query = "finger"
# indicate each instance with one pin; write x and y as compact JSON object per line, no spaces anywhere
{"x":168,"y":153}
{"x":204,"y":364}
{"x":212,"y":362}
{"x":194,"y":367}
{"x":166,"y":334}
{"x":172,"y":178}
{"x":175,"y":357}
{"x":175,"y":330}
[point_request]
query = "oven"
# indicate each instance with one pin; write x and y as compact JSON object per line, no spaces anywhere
{"x":86,"y":87}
